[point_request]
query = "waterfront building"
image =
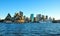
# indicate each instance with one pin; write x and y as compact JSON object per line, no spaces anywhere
{"x":16,"y":16}
{"x":32,"y":17}
{"x":24,"y":17}
{"x":38,"y":17}
{"x":8,"y":18}
{"x":35,"y":19}
{"x":21,"y":13}
{"x":50,"y":20}
{"x":53,"y":19}
{"x":27,"y":20}
{"x":19,"y":17}
{"x":46,"y":17}
{"x":21,"y":20}
{"x":43,"y":18}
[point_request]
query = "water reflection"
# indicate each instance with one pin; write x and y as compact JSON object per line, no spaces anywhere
{"x":29,"y":29}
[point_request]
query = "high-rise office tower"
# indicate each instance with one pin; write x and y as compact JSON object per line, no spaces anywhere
{"x":38,"y":17}
{"x":32,"y":17}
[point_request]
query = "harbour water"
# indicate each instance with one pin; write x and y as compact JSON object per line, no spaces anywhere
{"x":30,"y":29}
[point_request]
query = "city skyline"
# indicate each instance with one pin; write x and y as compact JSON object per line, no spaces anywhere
{"x":30,"y":15}
{"x":21,"y":18}
{"x":44,"y":7}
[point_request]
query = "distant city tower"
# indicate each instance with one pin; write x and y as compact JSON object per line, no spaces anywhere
{"x":32,"y":17}
{"x":21,"y":13}
{"x":38,"y":17}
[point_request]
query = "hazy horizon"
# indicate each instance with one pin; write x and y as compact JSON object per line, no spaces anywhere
{"x":44,"y":7}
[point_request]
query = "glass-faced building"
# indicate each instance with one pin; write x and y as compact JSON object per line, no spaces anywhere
{"x":32,"y":17}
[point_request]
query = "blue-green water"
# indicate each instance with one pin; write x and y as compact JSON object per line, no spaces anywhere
{"x":30,"y":29}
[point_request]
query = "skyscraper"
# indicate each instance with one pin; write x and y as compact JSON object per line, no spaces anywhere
{"x":50,"y":19}
{"x":38,"y":17}
{"x":21,"y":13}
{"x":43,"y":17}
{"x":32,"y":17}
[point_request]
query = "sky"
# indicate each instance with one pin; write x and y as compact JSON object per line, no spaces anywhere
{"x":44,"y":7}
